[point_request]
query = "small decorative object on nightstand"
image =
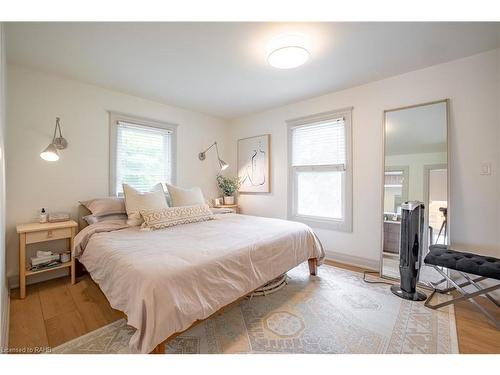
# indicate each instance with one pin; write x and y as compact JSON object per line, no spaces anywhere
{"x":42,"y":232}
{"x":233,"y":207}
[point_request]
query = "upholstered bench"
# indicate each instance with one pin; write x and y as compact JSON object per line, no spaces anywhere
{"x":485,"y":267}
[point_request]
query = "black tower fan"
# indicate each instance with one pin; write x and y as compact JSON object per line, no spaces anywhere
{"x":410,"y":251}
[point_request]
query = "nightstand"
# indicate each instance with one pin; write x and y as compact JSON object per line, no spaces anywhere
{"x":42,"y":232}
{"x":233,"y":207}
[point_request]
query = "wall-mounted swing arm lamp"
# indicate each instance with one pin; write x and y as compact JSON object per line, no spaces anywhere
{"x":222,"y":164}
{"x":58,"y":143}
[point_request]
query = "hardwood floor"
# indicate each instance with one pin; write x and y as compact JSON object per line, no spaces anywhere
{"x":475,"y":334}
{"x":55,"y":311}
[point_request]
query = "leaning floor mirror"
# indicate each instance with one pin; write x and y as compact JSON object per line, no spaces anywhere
{"x":415,"y":169}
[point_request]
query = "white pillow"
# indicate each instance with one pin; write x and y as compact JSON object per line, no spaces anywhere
{"x":136,"y":201}
{"x":185,"y":197}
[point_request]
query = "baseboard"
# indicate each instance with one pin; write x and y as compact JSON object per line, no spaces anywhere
{"x":353,"y":260}
{"x":4,"y":338}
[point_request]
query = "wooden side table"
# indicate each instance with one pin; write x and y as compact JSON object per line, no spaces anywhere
{"x":233,"y":207}
{"x":42,"y":232}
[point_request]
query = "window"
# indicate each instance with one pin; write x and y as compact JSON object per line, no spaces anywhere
{"x":395,"y":189}
{"x":141,"y":153}
{"x":320,"y":176}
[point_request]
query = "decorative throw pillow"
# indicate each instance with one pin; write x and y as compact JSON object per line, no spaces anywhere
{"x":185,"y":197}
{"x":136,"y":201}
{"x":169,"y":217}
{"x":105,"y":206}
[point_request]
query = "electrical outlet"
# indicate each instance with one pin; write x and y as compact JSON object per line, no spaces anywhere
{"x":485,"y":169}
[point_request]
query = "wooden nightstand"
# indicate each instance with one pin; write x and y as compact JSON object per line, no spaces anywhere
{"x":233,"y":207}
{"x":42,"y":232}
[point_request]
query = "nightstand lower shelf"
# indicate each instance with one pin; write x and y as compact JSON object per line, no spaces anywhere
{"x":62,"y":265}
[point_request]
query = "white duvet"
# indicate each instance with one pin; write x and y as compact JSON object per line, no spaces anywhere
{"x":167,"y":279}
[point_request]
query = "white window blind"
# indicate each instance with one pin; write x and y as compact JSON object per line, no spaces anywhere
{"x":318,"y":172}
{"x":394,"y":179}
{"x":319,"y":144}
{"x":143,"y":156}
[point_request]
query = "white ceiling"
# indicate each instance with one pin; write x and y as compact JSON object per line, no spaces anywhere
{"x":416,"y":130}
{"x":221,"y":68}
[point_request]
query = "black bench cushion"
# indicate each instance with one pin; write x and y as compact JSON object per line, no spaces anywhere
{"x":440,"y":255}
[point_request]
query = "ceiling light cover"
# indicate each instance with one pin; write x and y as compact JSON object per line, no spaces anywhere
{"x":288,"y":57}
{"x":287,"y":51}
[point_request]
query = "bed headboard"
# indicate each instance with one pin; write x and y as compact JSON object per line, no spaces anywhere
{"x":82,"y":211}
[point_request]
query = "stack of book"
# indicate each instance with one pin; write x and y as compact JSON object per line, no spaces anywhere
{"x":44,"y":259}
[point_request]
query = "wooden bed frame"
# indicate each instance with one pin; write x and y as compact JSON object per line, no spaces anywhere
{"x":160,"y":348}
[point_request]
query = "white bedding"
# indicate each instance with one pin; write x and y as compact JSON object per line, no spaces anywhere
{"x":165,"y":280}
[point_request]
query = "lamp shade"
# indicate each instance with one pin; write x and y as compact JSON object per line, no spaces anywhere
{"x":50,"y":153}
{"x":222,"y":164}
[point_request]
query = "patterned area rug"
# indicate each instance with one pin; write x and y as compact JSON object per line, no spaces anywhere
{"x":334,"y":312}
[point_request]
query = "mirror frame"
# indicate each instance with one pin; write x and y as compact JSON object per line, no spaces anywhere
{"x":448,"y":190}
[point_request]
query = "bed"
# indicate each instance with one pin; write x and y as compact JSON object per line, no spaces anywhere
{"x":166,"y":280}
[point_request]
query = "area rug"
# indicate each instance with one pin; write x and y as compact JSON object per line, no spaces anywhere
{"x":334,"y":312}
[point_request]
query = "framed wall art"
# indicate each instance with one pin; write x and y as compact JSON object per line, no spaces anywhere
{"x":253,"y":164}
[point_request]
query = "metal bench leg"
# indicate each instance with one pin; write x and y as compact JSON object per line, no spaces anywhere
{"x":465,"y":296}
{"x":473,"y":282}
{"x":434,"y":285}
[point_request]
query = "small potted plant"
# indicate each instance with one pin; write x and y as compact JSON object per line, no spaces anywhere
{"x":228,"y":186}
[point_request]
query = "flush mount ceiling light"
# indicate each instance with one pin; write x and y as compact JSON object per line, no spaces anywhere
{"x":287,"y":52}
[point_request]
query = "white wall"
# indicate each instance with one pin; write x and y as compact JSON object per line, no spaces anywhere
{"x":34,"y":100}
{"x":471,"y":83}
{"x":4,"y":295}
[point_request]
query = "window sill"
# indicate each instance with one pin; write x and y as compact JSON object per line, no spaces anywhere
{"x":329,"y":224}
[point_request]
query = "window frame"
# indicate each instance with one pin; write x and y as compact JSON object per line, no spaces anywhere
{"x":345,"y":224}
{"x":114,"y":119}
